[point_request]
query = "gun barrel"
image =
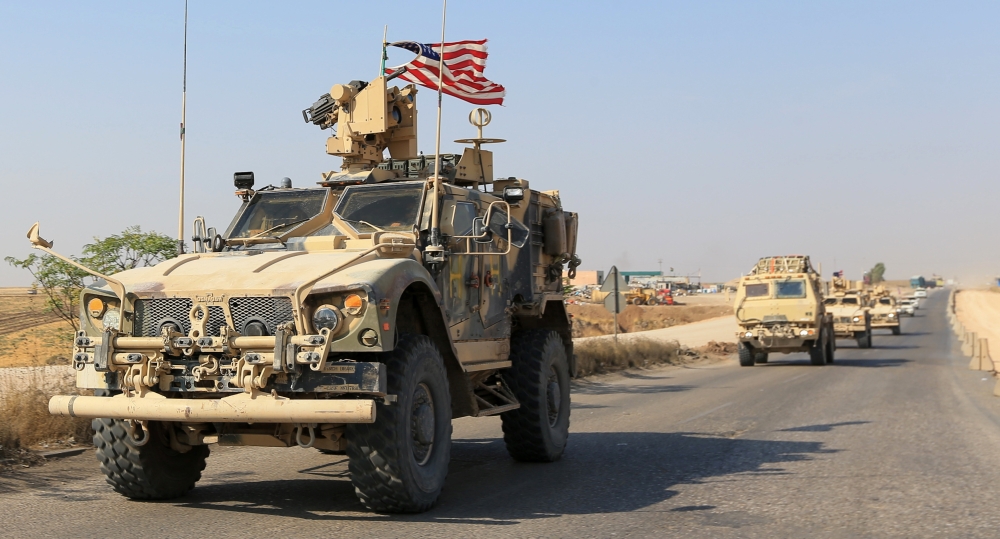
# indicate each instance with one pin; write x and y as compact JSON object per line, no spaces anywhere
{"x":319,"y":112}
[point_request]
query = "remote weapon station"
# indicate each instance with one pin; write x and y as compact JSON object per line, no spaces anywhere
{"x":357,"y":316}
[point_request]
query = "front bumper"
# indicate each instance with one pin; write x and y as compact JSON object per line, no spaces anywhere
{"x":256,"y":407}
{"x":777,"y":339}
{"x":885,"y":323}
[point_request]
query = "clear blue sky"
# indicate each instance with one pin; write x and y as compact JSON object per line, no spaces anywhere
{"x":706,"y":134}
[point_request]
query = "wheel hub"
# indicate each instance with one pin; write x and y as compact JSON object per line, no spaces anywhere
{"x":553,"y":395}
{"x":422,"y":424}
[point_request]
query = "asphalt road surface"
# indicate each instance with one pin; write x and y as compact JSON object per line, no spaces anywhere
{"x":897,"y":441}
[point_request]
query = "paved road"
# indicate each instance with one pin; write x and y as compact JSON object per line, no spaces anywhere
{"x":897,"y":441}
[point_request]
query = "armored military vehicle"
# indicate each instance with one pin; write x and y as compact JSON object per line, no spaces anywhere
{"x":884,"y":310}
{"x":779,"y":308}
{"x":852,"y":317}
{"x":360,"y":315}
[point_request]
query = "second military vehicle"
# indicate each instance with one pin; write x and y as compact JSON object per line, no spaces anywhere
{"x":779,"y":308}
{"x":852,"y":317}
{"x":360,"y":315}
{"x":885,"y":311}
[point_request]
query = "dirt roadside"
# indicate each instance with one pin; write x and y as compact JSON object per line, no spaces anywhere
{"x":979,"y":311}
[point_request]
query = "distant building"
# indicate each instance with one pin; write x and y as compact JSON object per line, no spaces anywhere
{"x":587,"y":277}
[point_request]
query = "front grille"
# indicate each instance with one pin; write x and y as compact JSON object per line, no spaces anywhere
{"x":843,"y":319}
{"x":216,"y":319}
{"x":270,"y":311}
{"x":150,"y":314}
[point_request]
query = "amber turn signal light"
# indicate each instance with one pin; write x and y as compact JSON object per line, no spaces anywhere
{"x":96,"y":307}
{"x":353,"y":304}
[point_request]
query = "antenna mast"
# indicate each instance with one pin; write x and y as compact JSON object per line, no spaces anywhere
{"x":436,"y":250}
{"x":180,"y":220}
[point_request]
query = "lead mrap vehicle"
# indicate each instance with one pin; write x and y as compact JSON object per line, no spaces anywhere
{"x":779,"y":308}
{"x":361,"y":315}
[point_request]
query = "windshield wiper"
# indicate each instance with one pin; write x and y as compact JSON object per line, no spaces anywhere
{"x":366,"y":223}
{"x":273,"y":228}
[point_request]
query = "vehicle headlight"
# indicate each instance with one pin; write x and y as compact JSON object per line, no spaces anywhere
{"x":857,"y":318}
{"x":804,"y":332}
{"x":892,"y":315}
{"x":326,"y":317}
{"x":111,"y":318}
{"x":748,"y":334}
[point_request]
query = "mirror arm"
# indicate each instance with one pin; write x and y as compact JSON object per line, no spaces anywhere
{"x":46,"y":246}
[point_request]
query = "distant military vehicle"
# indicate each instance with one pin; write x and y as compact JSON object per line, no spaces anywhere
{"x":779,"y":308}
{"x":360,"y":315}
{"x":852,"y":317}
{"x":885,"y":312}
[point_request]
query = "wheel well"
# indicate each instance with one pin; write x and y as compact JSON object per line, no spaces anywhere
{"x":555,"y":318}
{"x":418,"y":313}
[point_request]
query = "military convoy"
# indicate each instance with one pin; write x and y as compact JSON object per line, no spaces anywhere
{"x":779,"y":309}
{"x":360,"y":315}
{"x":851,"y":310}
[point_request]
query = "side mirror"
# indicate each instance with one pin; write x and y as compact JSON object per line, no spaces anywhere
{"x":480,"y":231}
{"x":37,"y":240}
{"x":243,"y":180}
{"x":513,"y":194}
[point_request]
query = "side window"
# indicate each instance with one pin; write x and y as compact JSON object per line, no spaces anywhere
{"x":461,"y":218}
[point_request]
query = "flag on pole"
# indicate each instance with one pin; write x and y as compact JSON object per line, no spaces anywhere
{"x":464,"y":62}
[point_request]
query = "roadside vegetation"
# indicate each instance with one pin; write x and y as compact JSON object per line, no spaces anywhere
{"x":25,"y":422}
{"x":598,"y":356}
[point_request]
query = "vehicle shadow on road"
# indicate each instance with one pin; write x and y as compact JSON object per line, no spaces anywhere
{"x":827,"y":427}
{"x":839,"y":362}
{"x":583,"y":387}
{"x":601,"y":472}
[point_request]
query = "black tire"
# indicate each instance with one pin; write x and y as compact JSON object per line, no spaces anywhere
{"x":817,"y":352}
{"x":398,"y":464}
{"x":539,"y":378}
{"x":153,"y":471}
{"x":760,"y":358}
{"x":746,"y":355}
{"x":897,"y":330}
{"x":865,"y":341}
{"x":831,"y":346}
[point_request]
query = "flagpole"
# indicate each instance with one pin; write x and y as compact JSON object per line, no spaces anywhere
{"x":435,"y":209}
{"x":385,"y":32}
{"x":180,"y":220}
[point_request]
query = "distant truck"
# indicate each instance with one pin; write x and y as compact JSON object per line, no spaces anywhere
{"x":918,"y":281}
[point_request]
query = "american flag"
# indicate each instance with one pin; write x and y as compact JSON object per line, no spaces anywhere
{"x":464,"y":62}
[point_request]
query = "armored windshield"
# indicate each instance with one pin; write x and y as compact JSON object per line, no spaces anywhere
{"x":757,"y":290}
{"x":369,"y":208}
{"x":885,"y":301}
{"x":274,"y":213}
{"x":790,"y":289}
{"x":830,"y":301}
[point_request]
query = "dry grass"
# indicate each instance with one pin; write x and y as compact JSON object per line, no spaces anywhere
{"x":598,"y":356}
{"x":30,"y":335}
{"x":49,"y":344}
{"x":25,"y":423}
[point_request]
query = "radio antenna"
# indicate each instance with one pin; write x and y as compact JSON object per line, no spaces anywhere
{"x":438,"y":251}
{"x":180,"y":220}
